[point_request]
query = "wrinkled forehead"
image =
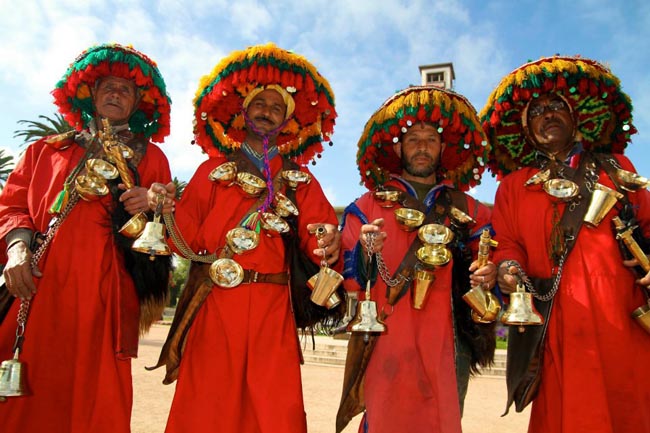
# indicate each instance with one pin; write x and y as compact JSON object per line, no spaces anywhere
{"x":111,"y":80}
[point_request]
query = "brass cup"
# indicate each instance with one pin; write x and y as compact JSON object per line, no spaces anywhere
{"x":283,"y":206}
{"x":241,"y":240}
{"x":602,"y":201}
{"x":326,"y":284}
{"x":631,"y":181}
{"x":561,"y":189}
{"x":477,"y":300}
{"x":642,"y":316}
{"x":102,"y":168}
{"x":538,"y":178}
{"x":226,"y":273}
{"x":387,"y":199}
{"x":251,"y":184}
{"x":460,"y":218}
{"x":408,"y":219}
{"x":433,"y":255}
{"x":135,"y":226}
{"x":435,"y":234}
{"x":295,"y":177}
{"x":225,"y":173}
{"x":90,"y":186}
{"x":421,"y":288}
{"x":273,"y":223}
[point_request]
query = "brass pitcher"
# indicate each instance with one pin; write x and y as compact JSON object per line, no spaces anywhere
{"x":642,"y":316}
{"x":521,"y":310}
{"x":602,"y":201}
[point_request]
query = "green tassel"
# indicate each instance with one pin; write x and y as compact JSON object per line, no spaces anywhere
{"x":60,"y":202}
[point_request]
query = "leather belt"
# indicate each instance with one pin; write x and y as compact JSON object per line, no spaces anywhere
{"x":251,"y":276}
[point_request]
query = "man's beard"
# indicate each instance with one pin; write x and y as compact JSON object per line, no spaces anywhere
{"x":423,"y":172}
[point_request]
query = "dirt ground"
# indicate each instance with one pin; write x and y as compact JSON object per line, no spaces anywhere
{"x":322,"y":390}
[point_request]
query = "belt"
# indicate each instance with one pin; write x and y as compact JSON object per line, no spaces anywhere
{"x":251,"y":276}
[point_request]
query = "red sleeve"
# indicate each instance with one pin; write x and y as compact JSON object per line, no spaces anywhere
{"x":506,"y":225}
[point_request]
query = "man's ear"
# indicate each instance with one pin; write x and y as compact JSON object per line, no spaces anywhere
{"x":397,"y":147}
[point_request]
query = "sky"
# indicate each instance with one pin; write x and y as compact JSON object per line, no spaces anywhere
{"x":367,"y":50}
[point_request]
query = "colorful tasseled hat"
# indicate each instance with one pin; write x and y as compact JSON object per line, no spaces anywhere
{"x":219,"y":121}
{"x":73,"y":92}
{"x":466,"y":151}
{"x":602,"y":111}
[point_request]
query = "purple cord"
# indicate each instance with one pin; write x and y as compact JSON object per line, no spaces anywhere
{"x":267,"y":163}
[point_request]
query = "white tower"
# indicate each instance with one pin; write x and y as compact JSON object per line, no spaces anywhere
{"x":441,"y":75}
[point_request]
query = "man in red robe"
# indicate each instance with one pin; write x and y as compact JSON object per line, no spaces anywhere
{"x":86,"y":292}
{"x":558,"y":127}
{"x":418,"y":153}
{"x":260,"y":115}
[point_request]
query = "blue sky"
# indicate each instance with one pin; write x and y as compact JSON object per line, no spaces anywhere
{"x":367,"y":49}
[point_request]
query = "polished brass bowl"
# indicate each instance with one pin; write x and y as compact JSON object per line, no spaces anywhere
{"x":631,"y":181}
{"x":274,"y":223}
{"x":295,"y":177}
{"x":387,"y":199}
{"x":241,"y":239}
{"x":91,"y":187}
{"x":539,"y":177}
{"x":408,"y":219}
{"x":434,"y":255}
{"x":283,"y":206}
{"x":226,"y":273}
{"x":251,"y":184}
{"x":458,"y":217}
{"x":435,"y":234}
{"x":225,"y":173}
{"x":103,"y":168}
{"x":562,"y":189}
{"x":135,"y":225}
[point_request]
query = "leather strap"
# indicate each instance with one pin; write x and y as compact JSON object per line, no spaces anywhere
{"x":251,"y":276}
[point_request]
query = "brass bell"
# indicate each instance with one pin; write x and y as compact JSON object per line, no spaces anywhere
{"x":367,"y":320}
{"x":12,"y":378}
{"x":521,"y":310}
{"x":152,"y":241}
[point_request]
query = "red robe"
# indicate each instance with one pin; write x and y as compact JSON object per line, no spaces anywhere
{"x":410,"y":383}
{"x":595,"y":371}
{"x":240,"y":371}
{"x":83,"y":323}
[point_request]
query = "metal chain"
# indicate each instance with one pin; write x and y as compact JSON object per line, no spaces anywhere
{"x":529,"y":285}
{"x":182,"y":245}
{"x":381,"y":265}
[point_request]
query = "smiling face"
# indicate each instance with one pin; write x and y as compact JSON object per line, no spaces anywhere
{"x":115,"y":98}
{"x":550,"y":125}
{"x":267,"y":111}
{"x":420,"y":150}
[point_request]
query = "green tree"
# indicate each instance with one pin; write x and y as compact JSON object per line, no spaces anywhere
{"x":180,"y":187}
{"x":6,"y":166}
{"x":36,"y":130}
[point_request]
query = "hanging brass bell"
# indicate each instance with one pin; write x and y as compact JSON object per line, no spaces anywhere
{"x":152,"y":241}
{"x":521,"y":310}
{"x":13,"y":381}
{"x":367,"y":320}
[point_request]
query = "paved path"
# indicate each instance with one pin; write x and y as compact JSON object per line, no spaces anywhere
{"x":322,"y":391}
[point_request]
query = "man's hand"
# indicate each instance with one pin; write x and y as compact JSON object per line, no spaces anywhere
{"x":168,"y":192}
{"x":18,"y":272}
{"x":506,"y":277}
{"x":134,"y":199}
{"x":329,"y":241}
{"x":380,"y":236}
{"x":485,"y":276}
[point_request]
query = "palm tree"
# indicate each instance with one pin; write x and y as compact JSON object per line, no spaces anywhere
{"x":36,"y":130}
{"x":180,"y":187}
{"x":6,"y":166}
